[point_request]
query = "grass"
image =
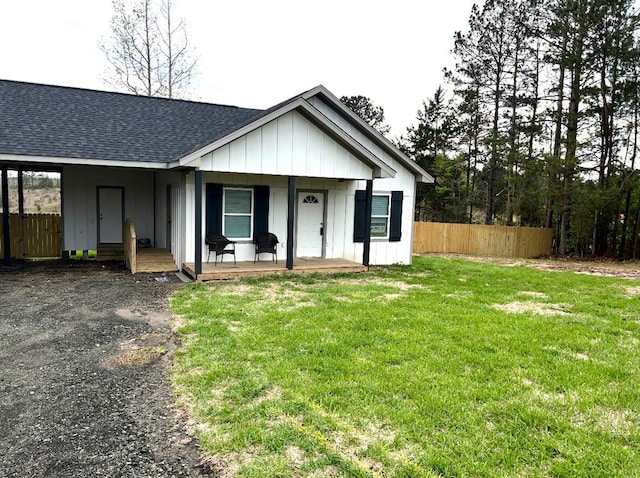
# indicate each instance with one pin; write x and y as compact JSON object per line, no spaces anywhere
{"x":92,"y":254}
{"x":446,"y":368}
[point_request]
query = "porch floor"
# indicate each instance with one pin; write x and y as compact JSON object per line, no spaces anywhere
{"x":229,"y":270}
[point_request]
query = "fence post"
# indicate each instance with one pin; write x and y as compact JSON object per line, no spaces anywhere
{"x":6,"y":237}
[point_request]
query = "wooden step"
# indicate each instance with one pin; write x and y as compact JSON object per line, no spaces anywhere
{"x":110,"y":252}
{"x":155,"y":260}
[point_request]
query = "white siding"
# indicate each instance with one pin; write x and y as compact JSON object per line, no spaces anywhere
{"x":287,"y":146}
{"x":340,"y":205}
{"x":244,"y":249}
{"x":175,"y":243}
{"x":382,"y":252}
{"x":293,"y":146}
{"x":180,"y":223}
{"x":189,"y":218}
{"x":80,"y":209}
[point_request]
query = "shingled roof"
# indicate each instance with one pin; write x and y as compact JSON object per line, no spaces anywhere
{"x":62,"y":122}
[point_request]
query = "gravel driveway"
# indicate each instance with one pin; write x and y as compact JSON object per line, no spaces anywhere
{"x":83,"y":374}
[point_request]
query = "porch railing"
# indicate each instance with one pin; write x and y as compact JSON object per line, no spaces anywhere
{"x":130,"y":246}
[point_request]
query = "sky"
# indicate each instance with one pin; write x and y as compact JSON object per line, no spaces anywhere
{"x":256,"y":53}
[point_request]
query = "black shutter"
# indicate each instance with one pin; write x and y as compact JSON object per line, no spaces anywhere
{"x":260,"y":209}
{"x":214,"y":208}
{"x":359,"y":223}
{"x":395,"y":226}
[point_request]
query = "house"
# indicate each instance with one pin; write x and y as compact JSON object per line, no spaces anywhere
{"x":307,"y":169}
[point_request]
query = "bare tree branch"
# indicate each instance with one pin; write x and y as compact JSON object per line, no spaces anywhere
{"x":147,"y":53}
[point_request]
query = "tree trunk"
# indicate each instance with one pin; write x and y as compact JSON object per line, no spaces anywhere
{"x":148,"y":59}
{"x":629,"y":184}
{"x":512,"y":168}
{"x":570,"y":164}
{"x":557,"y":135}
{"x":169,"y":51}
{"x":493,"y":162}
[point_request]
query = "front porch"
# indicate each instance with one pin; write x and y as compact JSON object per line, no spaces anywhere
{"x":276,"y":205}
{"x":229,"y":270}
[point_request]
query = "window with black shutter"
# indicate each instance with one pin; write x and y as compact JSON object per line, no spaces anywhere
{"x":386,"y":216}
{"x":237,"y":212}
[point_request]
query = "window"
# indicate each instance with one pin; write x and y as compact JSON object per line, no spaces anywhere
{"x":244,"y":214}
{"x":238,"y":213}
{"x":310,"y":200}
{"x":379,"y":215}
{"x":386,"y":216}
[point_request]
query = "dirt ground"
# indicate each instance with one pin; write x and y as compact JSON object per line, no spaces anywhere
{"x":84,"y":351}
{"x":602,"y":267}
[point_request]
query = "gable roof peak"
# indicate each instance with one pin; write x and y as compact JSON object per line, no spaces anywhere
{"x":365,"y":128}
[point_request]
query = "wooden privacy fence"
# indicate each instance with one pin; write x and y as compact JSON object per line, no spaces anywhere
{"x":33,"y":236}
{"x":503,"y":241}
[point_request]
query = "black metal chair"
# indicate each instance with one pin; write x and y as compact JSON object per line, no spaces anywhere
{"x":220,"y":245}
{"x":266,"y":243}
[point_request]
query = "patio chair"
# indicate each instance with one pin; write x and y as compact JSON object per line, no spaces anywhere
{"x":220,"y":245}
{"x":266,"y":243}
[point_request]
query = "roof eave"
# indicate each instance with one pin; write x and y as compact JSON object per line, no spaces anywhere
{"x":60,"y":161}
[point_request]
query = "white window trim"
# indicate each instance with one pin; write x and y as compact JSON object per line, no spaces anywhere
{"x":387,"y":216}
{"x":225,"y":214}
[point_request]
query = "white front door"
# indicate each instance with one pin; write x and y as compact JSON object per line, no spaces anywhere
{"x":110,"y":215}
{"x":310,"y":233}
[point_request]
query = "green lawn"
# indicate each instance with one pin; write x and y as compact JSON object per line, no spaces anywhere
{"x":445,"y":368}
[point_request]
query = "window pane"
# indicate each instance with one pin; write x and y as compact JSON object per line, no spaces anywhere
{"x":379,"y":227}
{"x":237,"y":227}
{"x":380,"y":206}
{"x":237,"y":201}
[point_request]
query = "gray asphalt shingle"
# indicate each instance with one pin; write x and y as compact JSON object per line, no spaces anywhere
{"x":62,"y":122}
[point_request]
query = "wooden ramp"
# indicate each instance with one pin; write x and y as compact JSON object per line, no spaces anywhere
{"x":154,"y":260}
{"x":229,"y":270}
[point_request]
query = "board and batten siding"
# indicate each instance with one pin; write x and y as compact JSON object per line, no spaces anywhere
{"x":382,"y":252}
{"x":340,"y":204}
{"x":293,"y":146}
{"x":80,"y":208}
{"x":180,"y":231}
{"x":174,"y":243}
{"x":288,"y":146}
{"x":335,"y":239}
